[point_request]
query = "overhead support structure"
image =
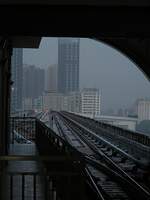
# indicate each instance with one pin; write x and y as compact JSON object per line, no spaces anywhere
{"x":25,"y":41}
{"x":122,"y":24}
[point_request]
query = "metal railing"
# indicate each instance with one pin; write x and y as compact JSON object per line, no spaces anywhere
{"x":16,"y":186}
{"x":54,"y":184}
{"x":62,"y":165}
{"x":34,"y":186}
{"x":46,"y":139}
{"x":22,"y":127}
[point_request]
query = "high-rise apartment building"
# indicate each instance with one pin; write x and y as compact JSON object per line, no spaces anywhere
{"x":51,"y":78}
{"x":33,"y":81}
{"x":68,"y":65}
{"x":90,"y":101}
{"x":143,"y":110}
{"x":16,"y":77}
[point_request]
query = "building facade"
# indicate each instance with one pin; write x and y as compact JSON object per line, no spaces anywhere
{"x":143,"y":110}
{"x":33,"y":82}
{"x":90,"y":101}
{"x":53,"y":101}
{"x":72,"y":102}
{"x":51,"y":78}
{"x":17,"y":79}
{"x":68,"y":65}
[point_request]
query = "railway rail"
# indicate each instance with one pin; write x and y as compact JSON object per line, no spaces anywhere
{"x":113,"y":173}
{"x":135,"y":143}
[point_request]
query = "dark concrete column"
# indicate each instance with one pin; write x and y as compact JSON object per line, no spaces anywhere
{"x":5,"y":83}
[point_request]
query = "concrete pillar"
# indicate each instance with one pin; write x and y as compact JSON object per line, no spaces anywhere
{"x":5,"y":82}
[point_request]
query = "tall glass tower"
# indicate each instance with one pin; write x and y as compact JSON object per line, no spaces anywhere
{"x":68,"y":65}
{"x":16,"y":76}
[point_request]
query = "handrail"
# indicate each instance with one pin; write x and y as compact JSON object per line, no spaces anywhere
{"x":71,"y":154}
{"x":36,"y":158}
{"x":27,"y":118}
{"x":50,"y":134}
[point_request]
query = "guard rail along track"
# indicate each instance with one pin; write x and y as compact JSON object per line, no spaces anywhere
{"x":136,"y":143}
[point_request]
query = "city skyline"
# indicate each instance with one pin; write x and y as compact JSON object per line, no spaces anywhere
{"x":101,"y":62}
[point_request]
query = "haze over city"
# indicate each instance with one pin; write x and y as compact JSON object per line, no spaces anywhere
{"x":119,"y":80}
{"x":75,"y":100}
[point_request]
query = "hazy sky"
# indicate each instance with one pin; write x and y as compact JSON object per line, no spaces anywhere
{"x":119,"y":80}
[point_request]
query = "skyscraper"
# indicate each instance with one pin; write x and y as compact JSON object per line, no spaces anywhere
{"x":33,"y":81}
{"x":16,"y":76}
{"x":51,"y":78}
{"x":68,"y":65}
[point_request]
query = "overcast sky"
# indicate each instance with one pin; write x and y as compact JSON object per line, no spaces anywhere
{"x":119,"y":80}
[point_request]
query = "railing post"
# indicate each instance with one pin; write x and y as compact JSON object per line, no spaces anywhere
{"x":11,"y":187}
{"x":34,"y":187}
{"x":23,"y":187}
{"x":46,"y":187}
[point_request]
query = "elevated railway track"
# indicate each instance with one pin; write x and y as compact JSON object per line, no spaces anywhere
{"x":136,"y":143}
{"x":113,"y":172}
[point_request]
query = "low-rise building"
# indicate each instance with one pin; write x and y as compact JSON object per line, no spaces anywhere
{"x":122,"y":122}
{"x":87,"y":101}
